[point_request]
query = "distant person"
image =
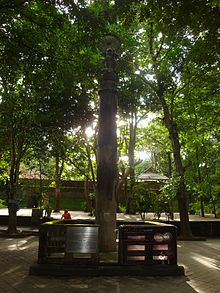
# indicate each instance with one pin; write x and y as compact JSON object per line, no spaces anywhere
{"x":47,"y":211}
{"x":66,"y":215}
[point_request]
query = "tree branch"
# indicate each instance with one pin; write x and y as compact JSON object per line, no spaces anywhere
{"x":13,"y":5}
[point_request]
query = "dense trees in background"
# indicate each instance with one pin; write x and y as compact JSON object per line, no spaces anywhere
{"x":168,"y":61}
{"x":42,"y":82}
{"x":168,"y":64}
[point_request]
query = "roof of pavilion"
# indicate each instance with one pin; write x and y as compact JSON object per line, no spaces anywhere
{"x":150,"y":176}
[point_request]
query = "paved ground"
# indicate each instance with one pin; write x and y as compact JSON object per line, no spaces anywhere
{"x":120,"y":216}
{"x":201,"y":260}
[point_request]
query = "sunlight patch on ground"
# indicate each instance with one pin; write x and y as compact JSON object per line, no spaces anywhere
{"x":19,"y":245}
{"x":213,"y":246}
{"x":206,"y":261}
{"x":196,"y":287}
{"x":79,"y":286}
{"x":41,"y":286}
{"x":16,"y":247}
{"x":11,"y":271}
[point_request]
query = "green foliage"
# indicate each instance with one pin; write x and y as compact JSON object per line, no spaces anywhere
{"x":169,"y":189}
{"x":50,"y":60}
{"x":142,"y":199}
{"x":146,"y":200}
{"x":142,"y":167}
{"x":121,"y":208}
{"x":153,"y":138}
{"x":2,"y":203}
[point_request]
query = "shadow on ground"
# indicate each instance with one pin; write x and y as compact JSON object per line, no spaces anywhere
{"x":18,"y":254}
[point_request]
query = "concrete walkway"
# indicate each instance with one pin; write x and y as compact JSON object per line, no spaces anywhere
{"x":202,"y":264}
{"x":201,"y":260}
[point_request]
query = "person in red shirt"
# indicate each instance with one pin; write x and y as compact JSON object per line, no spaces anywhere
{"x":66,"y":215}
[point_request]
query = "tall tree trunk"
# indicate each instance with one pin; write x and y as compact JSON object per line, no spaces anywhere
{"x":13,"y":184}
{"x":131,"y":148}
{"x":160,"y":90}
{"x":89,"y":157}
{"x":57,"y":196}
{"x":58,"y":173}
{"x":89,"y":200}
{"x":199,"y":180}
{"x":185,"y":229}
{"x":12,"y":220}
{"x":122,"y":181}
{"x":41,"y":189}
{"x":126,"y":193}
{"x":169,"y":175}
{"x":199,"y":183}
{"x":12,"y":204}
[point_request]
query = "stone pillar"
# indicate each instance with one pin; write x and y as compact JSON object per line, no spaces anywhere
{"x":107,"y":157}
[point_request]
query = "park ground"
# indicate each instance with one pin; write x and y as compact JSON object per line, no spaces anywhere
{"x":120,"y":216}
{"x":201,"y":260}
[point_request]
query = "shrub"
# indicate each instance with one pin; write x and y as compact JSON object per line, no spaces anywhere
{"x":143,"y":199}
{"x":2,"y":203}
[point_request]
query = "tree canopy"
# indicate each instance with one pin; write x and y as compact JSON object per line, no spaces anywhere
{"x":168,"y":65}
